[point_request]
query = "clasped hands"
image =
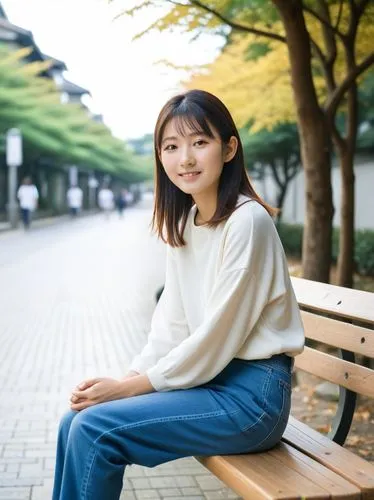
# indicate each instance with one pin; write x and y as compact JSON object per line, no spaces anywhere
{"x":103,"y":389}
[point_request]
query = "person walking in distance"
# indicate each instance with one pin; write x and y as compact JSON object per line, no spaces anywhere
{"x":28,"y":199}
{"x":74,"y":197}
{"x":214,"y":377}
{"x":121,"y":201}
{"x":106,"y":200}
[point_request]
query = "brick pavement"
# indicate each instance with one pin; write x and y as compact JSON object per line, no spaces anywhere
{"x":76,"y":301}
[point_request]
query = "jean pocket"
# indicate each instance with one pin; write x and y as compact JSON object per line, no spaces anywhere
{"x":270,"y":428}
{"x":285,"y":388}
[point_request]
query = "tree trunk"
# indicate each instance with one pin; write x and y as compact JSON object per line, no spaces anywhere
{"x":346,"y":235}
{"x":345,"y":148}
{"x":281,"y":194}
{"x":315,"y":145}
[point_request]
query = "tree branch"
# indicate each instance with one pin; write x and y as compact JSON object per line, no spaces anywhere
{"x":333,"y":101}
{"x":330,"y":45}
{"x":236,"y":26}
{"x":362,"y":6}
{"x":338,"y":140}
{"x":340,"y":12}
{"x":275,"y":173}
{"x":320,"y":55}
{"x":323,"y":21}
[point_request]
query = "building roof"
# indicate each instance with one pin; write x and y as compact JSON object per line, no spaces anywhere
{"x":2,"y":12}
{"x":20,"y":32}
{"x":73,"y":89}
{"x":57,"y":63}
{"x":11,"y":33}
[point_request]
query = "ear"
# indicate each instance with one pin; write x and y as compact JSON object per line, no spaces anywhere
{"x":230,"y":149}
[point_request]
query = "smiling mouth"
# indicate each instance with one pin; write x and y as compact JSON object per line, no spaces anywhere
{"x":190,"y":174}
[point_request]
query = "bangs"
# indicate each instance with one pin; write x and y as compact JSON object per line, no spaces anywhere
{"x":187,"y":117}
{"x":186,"y":122}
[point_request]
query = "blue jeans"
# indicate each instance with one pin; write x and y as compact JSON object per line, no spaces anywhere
{"x":243,"y":409}
{"x":26,"y":217}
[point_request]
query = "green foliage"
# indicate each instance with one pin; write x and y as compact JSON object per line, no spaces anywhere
{"x":366,"y":96}
{"x":256,"y":51}
{"x":364,"y":252}
{"x":291,"y":236}
{"x":365,"y":139}
{"x":267,"y":145}
{"x":64,"y":133}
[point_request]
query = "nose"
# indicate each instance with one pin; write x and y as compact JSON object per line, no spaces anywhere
{"x":187,"y":160}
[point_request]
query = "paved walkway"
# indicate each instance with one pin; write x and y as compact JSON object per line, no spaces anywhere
{"x":76,"y":300}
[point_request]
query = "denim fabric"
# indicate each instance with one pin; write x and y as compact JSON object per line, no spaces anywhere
{"x":244,"y":409}
{"x":26,"y":217}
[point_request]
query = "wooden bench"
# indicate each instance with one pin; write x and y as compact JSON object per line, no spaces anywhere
{"x":307,"y":464}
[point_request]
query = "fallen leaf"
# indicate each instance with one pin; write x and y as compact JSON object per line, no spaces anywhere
{"x":353,"y":440}
{"x":364,"y":453}
{"x":364,"y":415}
{"x":323,"y":428}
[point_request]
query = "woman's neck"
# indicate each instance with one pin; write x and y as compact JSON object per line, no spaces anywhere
{"x":205,"y":210}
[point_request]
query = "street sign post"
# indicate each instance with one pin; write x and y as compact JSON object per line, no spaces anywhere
{"x":13,"y":160}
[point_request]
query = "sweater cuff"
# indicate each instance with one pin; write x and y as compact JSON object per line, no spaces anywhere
{"x":138,"y":365}
{"x":157,"y":380}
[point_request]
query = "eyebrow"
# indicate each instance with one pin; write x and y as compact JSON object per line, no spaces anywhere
{"x":174,"y":138}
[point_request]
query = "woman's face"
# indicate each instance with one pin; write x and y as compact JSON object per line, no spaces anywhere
{"x":194,"y":161}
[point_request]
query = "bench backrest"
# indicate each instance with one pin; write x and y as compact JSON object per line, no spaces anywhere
{"x":329,"y":313}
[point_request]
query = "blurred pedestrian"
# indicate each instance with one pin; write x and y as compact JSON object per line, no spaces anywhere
{"x":106,"y":200}
{"x":74,"y":198}
{"x":121,"y":201}
{"x":129,"y":198}
{"x":28,"y":199}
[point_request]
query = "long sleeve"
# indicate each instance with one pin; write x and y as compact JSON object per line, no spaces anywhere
{"x":242,"y":289}
{"x":168,"y":327}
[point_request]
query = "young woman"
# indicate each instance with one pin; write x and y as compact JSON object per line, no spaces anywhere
{"x":214,"y":377}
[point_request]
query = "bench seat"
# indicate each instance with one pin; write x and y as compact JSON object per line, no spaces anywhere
{"x":305,"y":465}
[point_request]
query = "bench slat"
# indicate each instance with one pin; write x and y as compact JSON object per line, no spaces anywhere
{"x":279,"y":474}
{"x":343,"y":302}
{"x":338,"y":334}
{"x":337,"y":486}
{"x":338,"y":459}
{"x":349,"y":375}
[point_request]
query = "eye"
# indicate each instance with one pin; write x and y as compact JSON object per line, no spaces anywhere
{"x":170,"y":147}
{"x":200,"y":142}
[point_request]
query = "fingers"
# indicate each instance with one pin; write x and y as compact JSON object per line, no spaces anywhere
{"x":81,"y":405}
{"x":80,"y":395}
{"x":87,"y":383}
{"x":76,"y":398}
{"x":83,"y":396}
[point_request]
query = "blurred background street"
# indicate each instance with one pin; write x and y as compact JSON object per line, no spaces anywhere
{"x":81,"y":86}
{"x":76,"y":299}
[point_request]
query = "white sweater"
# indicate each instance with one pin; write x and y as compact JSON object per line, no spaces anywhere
{"x":227,"y":295}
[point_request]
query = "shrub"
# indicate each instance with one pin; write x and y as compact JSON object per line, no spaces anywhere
{"x":291,"y":236}
{"x":364,"y":252}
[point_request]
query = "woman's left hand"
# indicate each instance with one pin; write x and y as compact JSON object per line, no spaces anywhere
{"x":97,"y":390}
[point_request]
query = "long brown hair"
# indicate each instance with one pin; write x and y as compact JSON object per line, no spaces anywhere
{"x":198,"y":110}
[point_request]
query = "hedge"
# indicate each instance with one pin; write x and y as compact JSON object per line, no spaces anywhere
{"x":292,"y":235}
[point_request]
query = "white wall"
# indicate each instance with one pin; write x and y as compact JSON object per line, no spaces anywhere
{"x":294,"y":210}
